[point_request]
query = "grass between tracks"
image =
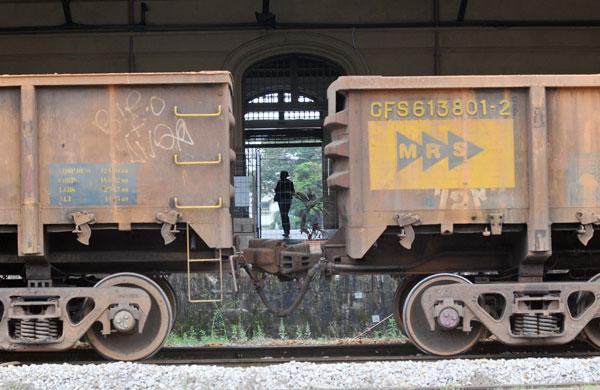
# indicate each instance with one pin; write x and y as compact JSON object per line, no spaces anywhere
{"x":302,"y":334}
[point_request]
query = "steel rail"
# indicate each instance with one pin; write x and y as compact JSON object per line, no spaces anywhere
{"x":337,"y":353}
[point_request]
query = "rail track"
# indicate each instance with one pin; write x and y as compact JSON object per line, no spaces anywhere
{"x":331,"y":353}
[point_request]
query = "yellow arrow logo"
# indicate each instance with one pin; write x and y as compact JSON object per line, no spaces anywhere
{"x":438,"y":154}
{"x":432,"y":150}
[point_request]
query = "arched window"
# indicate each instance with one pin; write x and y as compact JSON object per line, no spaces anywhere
{"x":284,"y":104}
{"x":285,"y":100}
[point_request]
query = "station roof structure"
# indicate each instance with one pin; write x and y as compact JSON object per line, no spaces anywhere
{"x":45,"y":16}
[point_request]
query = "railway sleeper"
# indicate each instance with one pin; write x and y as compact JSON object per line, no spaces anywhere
{"x":40,"y":319}
{"x":445,"y":314}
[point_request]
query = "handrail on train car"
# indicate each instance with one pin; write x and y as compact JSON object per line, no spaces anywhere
{"x":208,"y":162}
{"x":211,"y":206}
{"x":212,"y":114}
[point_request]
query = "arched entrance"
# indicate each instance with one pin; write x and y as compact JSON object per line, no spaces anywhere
{"x":284,"y":101}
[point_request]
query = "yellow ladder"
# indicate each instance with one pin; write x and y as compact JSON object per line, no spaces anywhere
{"x":217,"y":258}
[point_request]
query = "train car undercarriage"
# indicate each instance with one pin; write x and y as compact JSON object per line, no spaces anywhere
{"x":127,"y":316}
{"x":491,"y":291}
{"x":50,"y":303}
{"x":473,"y":190}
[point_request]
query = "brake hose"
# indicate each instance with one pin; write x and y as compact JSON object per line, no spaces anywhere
{"x":258,"y":286}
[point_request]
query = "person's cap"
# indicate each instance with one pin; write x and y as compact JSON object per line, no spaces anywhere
{"x":284,"y":174}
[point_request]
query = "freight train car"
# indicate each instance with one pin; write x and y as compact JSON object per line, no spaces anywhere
{"x":487,"y":185}
{"x":99,"y":172}
{"x":482,"y":192}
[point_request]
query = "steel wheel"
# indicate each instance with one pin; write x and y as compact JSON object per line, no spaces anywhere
{"x":134,"y":345}
{"x":591,"y":332}
{"x":169,"y":291}
{"x":400,"y":297}
{"x":438,"y":342}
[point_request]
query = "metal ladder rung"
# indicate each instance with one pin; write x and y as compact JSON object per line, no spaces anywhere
{"x":203,"y":260}
{"x":205,"y":300}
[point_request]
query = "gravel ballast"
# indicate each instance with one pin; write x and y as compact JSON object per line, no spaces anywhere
{"x":443,"y":373}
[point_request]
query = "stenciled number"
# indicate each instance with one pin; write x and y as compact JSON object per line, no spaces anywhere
{"x":505,"y":107}
{"x":457,"y":108}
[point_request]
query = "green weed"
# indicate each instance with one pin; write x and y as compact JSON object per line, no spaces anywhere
{"x":281,"y":330}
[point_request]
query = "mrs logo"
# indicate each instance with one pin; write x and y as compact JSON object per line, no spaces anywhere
{"x":432,"y":150}
{"x":440,"y":154}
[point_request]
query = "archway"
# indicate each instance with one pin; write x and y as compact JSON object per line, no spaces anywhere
{"x":284,"y":103}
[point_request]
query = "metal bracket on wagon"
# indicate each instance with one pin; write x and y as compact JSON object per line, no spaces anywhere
{"x":496,"y":220}
{"x":407,"y":233}
{"x":585,"y":232}
{"x":83,"y":220}
{"x":169,"y":225}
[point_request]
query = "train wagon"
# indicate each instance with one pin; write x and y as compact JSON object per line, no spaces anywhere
{"x":100,"y":172}
{"x":480,"y":192}
{"x":483,"y":192}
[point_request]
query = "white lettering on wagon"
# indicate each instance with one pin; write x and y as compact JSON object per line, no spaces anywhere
{"x":143,"y":125}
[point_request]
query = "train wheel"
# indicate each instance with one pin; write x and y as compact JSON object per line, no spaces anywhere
{"x":591,"y":332}
{"x":133,"y":345}
{"x":402,"y":291}
{"x":440,"y":341}
{"x":168,"y":289}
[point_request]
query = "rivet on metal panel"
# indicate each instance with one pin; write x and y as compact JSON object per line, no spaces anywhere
{"x":585,"y":232}
{"x":407,"y":233}
{"x":211,"y":114}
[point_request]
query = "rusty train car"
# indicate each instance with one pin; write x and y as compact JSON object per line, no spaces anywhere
{"x":100,"y":174}
{"x":480,"y":192}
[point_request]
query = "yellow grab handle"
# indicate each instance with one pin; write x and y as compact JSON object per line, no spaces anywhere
{"x":217,"y":161}
{"x":180,"y":115}
{"x":210,"y":206}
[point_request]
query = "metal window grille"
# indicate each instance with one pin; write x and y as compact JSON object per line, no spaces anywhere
{"x":285,"y":100}
{"x":284,"y":105}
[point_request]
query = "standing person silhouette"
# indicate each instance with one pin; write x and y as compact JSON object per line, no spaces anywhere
{"x":284,"y":191}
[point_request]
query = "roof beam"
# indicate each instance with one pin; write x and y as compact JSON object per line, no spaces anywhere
{"x":131,"y":12}
{"x":443,"y":25}
{"x":266,"y":17}
{"x":462,"y":10}
{"x":144,"y":11}
{"x":66,"y":5}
